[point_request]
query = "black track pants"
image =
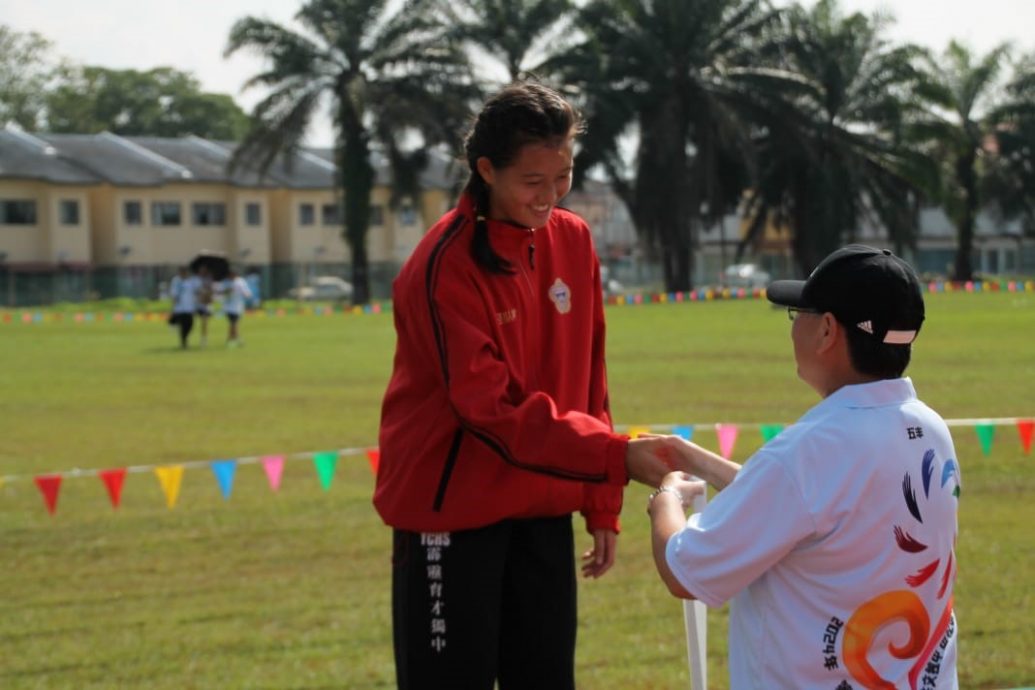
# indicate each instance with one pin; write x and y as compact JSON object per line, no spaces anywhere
{"x":476,"y":606}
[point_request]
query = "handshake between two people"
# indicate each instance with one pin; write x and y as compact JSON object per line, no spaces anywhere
{"x":677,"y":464}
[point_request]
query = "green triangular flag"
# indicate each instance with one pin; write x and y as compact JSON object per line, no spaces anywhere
{"x":985,"y":433}
{"x":325,"y":463}
{"x":769,"y":431}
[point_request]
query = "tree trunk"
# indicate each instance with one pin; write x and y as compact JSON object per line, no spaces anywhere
{"x":357,"y":179}
{"x":967,"y":177}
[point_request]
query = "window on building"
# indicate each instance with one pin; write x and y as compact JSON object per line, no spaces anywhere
{"x":68,"y":212}
{"x":408,"y":215}
{"x":165,"y":213}
{"x":306,"y":214}
{"x":17,"y":212}
{"x":208,"y":213}
{"x":377,"y":215}
{"x":132,"y":213}
{"x":331,"y":214}
{"x":253,"y":213}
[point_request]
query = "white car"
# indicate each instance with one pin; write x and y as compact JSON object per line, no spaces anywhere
{"x":327,"y":288}
{"x":745,"y":276}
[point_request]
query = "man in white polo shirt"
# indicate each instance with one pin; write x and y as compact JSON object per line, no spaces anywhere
{"x":835,"y":541}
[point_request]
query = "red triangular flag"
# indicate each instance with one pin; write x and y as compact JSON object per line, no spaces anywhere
{"x":374,"y":456}
{"x":1024,"y":428}
{"x":49,"y":485}
{"x":113,"y":481}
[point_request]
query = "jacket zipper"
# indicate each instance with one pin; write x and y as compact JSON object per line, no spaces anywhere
{"x":534,"y":304}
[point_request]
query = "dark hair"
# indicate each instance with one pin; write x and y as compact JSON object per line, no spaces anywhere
{"x":871,"y":357}
{"x":522,"y":113}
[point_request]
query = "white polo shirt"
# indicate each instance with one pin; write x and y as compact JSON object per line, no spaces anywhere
{"x":835,"y":543}
{"x":237,"y":291}
{"x":184,"y":293}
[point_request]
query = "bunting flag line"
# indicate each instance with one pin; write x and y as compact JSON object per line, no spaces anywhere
{"x":170,"y":477}
{"x":273,"y":465}
{"x":45,"y":316}
{"x":224,"y":471}
{"x":50,"y":486}
{"x":684,"y":432}
{"x":727,"y":434}
{"x":637,"y":431}
{"x":985,"y":433}
{"x":703,"y":294}
{"x":326,"y":463}
{"x":374,"y":456}
{"x":1024,"y":429}
{"x":113,"y":480}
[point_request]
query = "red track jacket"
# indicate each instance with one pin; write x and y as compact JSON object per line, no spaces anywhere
{"x":497,"y":406}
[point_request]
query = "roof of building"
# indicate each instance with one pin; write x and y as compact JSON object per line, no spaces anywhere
{"x":157,"y":161}
{"x":28,"y":157}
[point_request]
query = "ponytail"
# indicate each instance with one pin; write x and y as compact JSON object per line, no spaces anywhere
{"x":481,"y":247}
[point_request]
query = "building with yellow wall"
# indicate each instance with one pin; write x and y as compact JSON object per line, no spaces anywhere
{"x":108,"y":215}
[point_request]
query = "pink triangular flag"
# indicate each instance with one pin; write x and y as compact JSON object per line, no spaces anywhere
{"x":274,"y":466}
{"x":374,"y":456}
{"x":49,"y":485}
{"x":113,"y":482}
{"x":1024,"y":428}
{"x":727,"y":434}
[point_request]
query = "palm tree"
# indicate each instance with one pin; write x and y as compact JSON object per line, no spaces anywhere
{"x":962,"y":90}
{"x":1010,"y":182}
{"x":684,"y":78}
{"x":832,"y":153}
{"x":386,"y":71}
{"x":513,"y":32}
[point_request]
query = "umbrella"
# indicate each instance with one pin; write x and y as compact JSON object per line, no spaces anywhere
{"x":216,"y":262}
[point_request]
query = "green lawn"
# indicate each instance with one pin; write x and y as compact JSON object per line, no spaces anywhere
{"x":290,"y":589}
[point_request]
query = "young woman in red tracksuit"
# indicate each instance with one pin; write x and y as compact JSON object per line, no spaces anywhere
{"x":495,"y":426}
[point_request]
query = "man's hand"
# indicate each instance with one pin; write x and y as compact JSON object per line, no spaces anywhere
{"x":601,"y":557}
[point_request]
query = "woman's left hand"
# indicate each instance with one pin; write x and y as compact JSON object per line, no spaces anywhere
{"x":601,"y":557}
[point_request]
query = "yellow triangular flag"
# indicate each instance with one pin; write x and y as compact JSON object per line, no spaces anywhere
{"x":170,"y":478}
{"x":635,"y":431}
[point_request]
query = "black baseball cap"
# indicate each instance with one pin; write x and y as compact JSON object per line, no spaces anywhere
{"x":863,"y":287}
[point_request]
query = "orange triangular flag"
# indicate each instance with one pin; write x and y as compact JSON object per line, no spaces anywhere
{"x":113,"y":481}
{"x":374,"y":456}
{"x":170,"y":478}
{"x":1024,"y":428}
{"x":49,"y":485}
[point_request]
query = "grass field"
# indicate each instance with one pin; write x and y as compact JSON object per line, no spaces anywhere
{"x":290,"y":589}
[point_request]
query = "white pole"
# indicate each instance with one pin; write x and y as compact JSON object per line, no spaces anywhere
{"x":695,"y":617}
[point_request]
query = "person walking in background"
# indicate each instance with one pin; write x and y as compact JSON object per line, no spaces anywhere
{"x":235,"y":292}
{"x":183,"y":289}
{"x":496,"y":423}
{"x":836,"y":541}
{"x":204,"y":301}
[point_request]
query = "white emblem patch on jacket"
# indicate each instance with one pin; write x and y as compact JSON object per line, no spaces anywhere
{"x":560,"y":295}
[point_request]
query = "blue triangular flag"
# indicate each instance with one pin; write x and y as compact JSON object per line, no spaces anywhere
{"x":224,"y":471}
{"x":684,"y":432}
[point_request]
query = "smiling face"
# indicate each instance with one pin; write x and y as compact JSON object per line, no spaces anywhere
{"x":526,"y":191}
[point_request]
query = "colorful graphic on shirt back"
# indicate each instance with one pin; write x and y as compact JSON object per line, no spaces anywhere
{"x":904,"y":605}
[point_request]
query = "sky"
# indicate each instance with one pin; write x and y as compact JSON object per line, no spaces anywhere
{"x":190,"y":35}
